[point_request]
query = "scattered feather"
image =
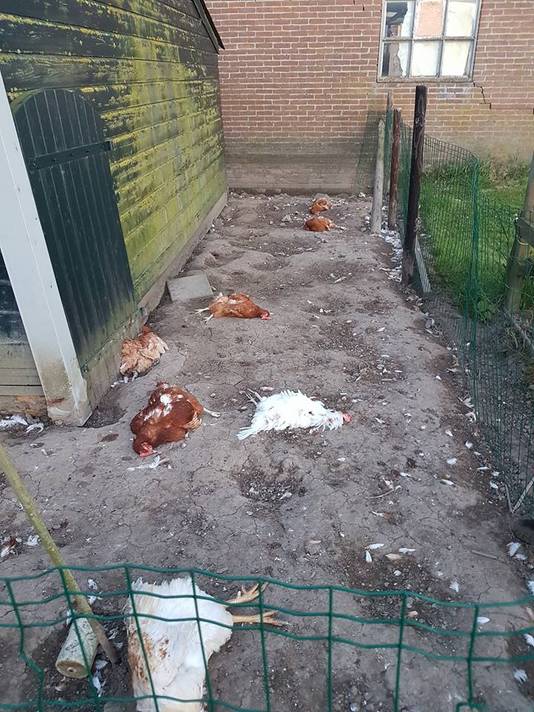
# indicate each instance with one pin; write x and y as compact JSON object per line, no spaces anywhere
{"x":372,"y":547}
{"x":530,"y":586}
{"x":449,"y":433}
{"x":393,"y":557}
{"x":92,"y":584}
{"x":494,"y":485}
{"x":97,"y":684}
{"x":148,"y":465}
{"x":520,"y":675}
{"x":469,"y":445}
{"x":521,"y":557}
{"x":368,"y":557}
{"x":8,"y":546}
{"x":454,"y":586}
{"x":529,"y":639}
{"x":450,"y":483}
{"x":482,"y":620}
{"x":404,"y":550}
{"x":32,"y":540}
{"x":452,"y":461}
{"x":513,"y":547}
{"x":35,"y":426}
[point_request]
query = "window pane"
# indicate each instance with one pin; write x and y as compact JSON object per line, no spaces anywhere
{"x":455,"y":60}
{"x":429,"y":18}
{"x":461,"y":16}
{"x":425,"y":57}
{"x":399,"y":17}
{"x":395,"y":59}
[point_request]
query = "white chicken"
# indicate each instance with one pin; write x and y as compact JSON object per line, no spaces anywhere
{"x":288,"y":410}
{"x":167,"y":619}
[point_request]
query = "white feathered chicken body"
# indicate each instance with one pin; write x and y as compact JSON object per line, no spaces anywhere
{"x":172,"y":647}
{"x":288,"y":410}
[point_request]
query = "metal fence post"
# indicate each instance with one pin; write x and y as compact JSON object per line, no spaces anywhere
{"x":394,"y":171}
{"x":416,"y":172}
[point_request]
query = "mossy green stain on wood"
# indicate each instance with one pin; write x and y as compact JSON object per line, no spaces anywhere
{"x":151,"y":71}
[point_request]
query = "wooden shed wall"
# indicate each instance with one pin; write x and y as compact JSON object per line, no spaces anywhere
{"x":150,"y":68}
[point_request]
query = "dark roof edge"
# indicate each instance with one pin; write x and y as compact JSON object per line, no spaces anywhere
{"x":208,"y":23}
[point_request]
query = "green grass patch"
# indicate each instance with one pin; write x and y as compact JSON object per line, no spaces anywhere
{"x":449,"y":213}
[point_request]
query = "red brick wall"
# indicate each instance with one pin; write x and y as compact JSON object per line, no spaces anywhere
{"x":302,"y":74}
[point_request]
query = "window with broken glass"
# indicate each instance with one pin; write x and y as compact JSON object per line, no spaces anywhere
{"x":428,"y":38}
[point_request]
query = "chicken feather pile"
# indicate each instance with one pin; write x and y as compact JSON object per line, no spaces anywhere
{"x":289,"y":410}
{"x":237,"y":305}
{"x":171,"y":413}
{"x":140,"y":354}
{"x":166,"y":631}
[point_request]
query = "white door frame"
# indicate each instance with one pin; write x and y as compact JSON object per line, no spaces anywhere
{"x":32,"y":278}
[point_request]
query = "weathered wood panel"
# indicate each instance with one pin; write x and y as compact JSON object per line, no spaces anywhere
{"x":150,"y":68}
{"x":156,"y":18}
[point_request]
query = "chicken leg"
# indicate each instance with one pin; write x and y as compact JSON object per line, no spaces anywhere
{"x":246,"y":595}
{"x":268,"y":618}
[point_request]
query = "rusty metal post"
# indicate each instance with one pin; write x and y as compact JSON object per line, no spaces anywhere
{"x":394,"y":171}
{"x":416,"y":172}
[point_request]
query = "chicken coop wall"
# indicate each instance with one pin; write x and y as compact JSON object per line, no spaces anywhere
{"x":150,"y":70}
{"x":299,"y":80}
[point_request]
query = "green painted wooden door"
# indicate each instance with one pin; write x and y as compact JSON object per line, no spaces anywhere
{"x":67,"y":156}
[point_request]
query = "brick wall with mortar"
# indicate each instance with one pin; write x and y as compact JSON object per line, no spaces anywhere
{"x":299,"y":78}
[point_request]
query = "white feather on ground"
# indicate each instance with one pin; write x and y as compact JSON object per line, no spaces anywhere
{"x":288,"y":410}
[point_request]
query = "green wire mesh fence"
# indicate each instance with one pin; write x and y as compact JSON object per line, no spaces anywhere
{"x":411,"y":651}
{"x":466,"y":239}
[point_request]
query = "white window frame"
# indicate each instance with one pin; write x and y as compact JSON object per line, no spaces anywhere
{"x":411,"y":41}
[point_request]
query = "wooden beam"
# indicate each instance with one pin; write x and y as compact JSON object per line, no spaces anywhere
{"x":416,"y":172}
{"x":378,"y":190}
{"x":394,"y":171}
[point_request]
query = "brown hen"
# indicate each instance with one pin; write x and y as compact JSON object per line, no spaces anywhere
{"x":319,"y":205}
{"x":318,"y":224}
{"x":236,"y":305}
{"x":169,"y":416}
{"x":140,"y":354}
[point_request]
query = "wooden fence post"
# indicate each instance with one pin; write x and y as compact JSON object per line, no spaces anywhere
{"x":394,"y":171}
{"x":378,"y":189}
{"x":416,"y":172}
{"x":523,"y":241}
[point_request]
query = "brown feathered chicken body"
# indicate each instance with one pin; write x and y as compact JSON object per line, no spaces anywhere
{"x":236,"y":305}
{"x":318,"y":224}
{"x":319,"y":205}
{"x":140,"y":354}
{"x":170,"y":414}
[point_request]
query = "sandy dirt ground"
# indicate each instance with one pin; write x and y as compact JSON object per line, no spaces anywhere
{"x":298,"y":507}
